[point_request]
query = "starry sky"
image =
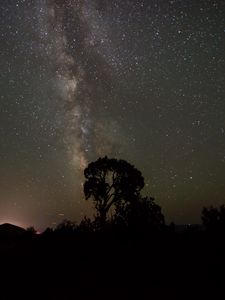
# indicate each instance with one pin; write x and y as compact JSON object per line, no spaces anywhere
{"x":142,"y":81}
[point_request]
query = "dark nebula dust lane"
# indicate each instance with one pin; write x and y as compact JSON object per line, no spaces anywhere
{"x":137,"y":80}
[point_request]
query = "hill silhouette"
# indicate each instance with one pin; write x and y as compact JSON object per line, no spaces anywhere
{"x":12,"y":231}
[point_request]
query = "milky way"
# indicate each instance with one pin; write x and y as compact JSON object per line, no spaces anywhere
{"x":137,"y":80}
{"x":83,"y":78}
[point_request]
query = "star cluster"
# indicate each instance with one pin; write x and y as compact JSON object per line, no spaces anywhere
{"x":138,"y":80}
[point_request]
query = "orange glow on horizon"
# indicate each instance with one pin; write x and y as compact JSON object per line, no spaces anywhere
{"x":13,"y":222}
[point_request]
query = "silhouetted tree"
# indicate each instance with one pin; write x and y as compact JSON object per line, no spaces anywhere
{"x":222,"y":216}
{"x":140,"y":213}
{"x":213,"y":218}
{"x":86,"y":225}
{"x":111,"y":182}
{"x":66,"y":227}
{"x":31,"y":230}
{"x":48,"y":231}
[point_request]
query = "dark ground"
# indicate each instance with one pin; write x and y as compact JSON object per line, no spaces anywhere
{"x":188,"y":265}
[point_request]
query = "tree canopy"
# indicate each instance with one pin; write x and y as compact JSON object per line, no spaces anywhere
{"x":111,"y":183}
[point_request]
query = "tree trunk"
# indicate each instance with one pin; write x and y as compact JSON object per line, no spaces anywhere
{"x":102,"y":218}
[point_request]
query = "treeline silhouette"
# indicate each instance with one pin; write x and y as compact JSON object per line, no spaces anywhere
{"x":126,"y":251}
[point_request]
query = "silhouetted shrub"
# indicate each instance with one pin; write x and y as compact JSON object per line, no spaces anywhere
{"x":213,"y":218}
{"x":140,"y":214}
{"x":67,"y":227}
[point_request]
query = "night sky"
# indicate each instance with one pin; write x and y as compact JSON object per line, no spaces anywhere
{"x":142,"y":81}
